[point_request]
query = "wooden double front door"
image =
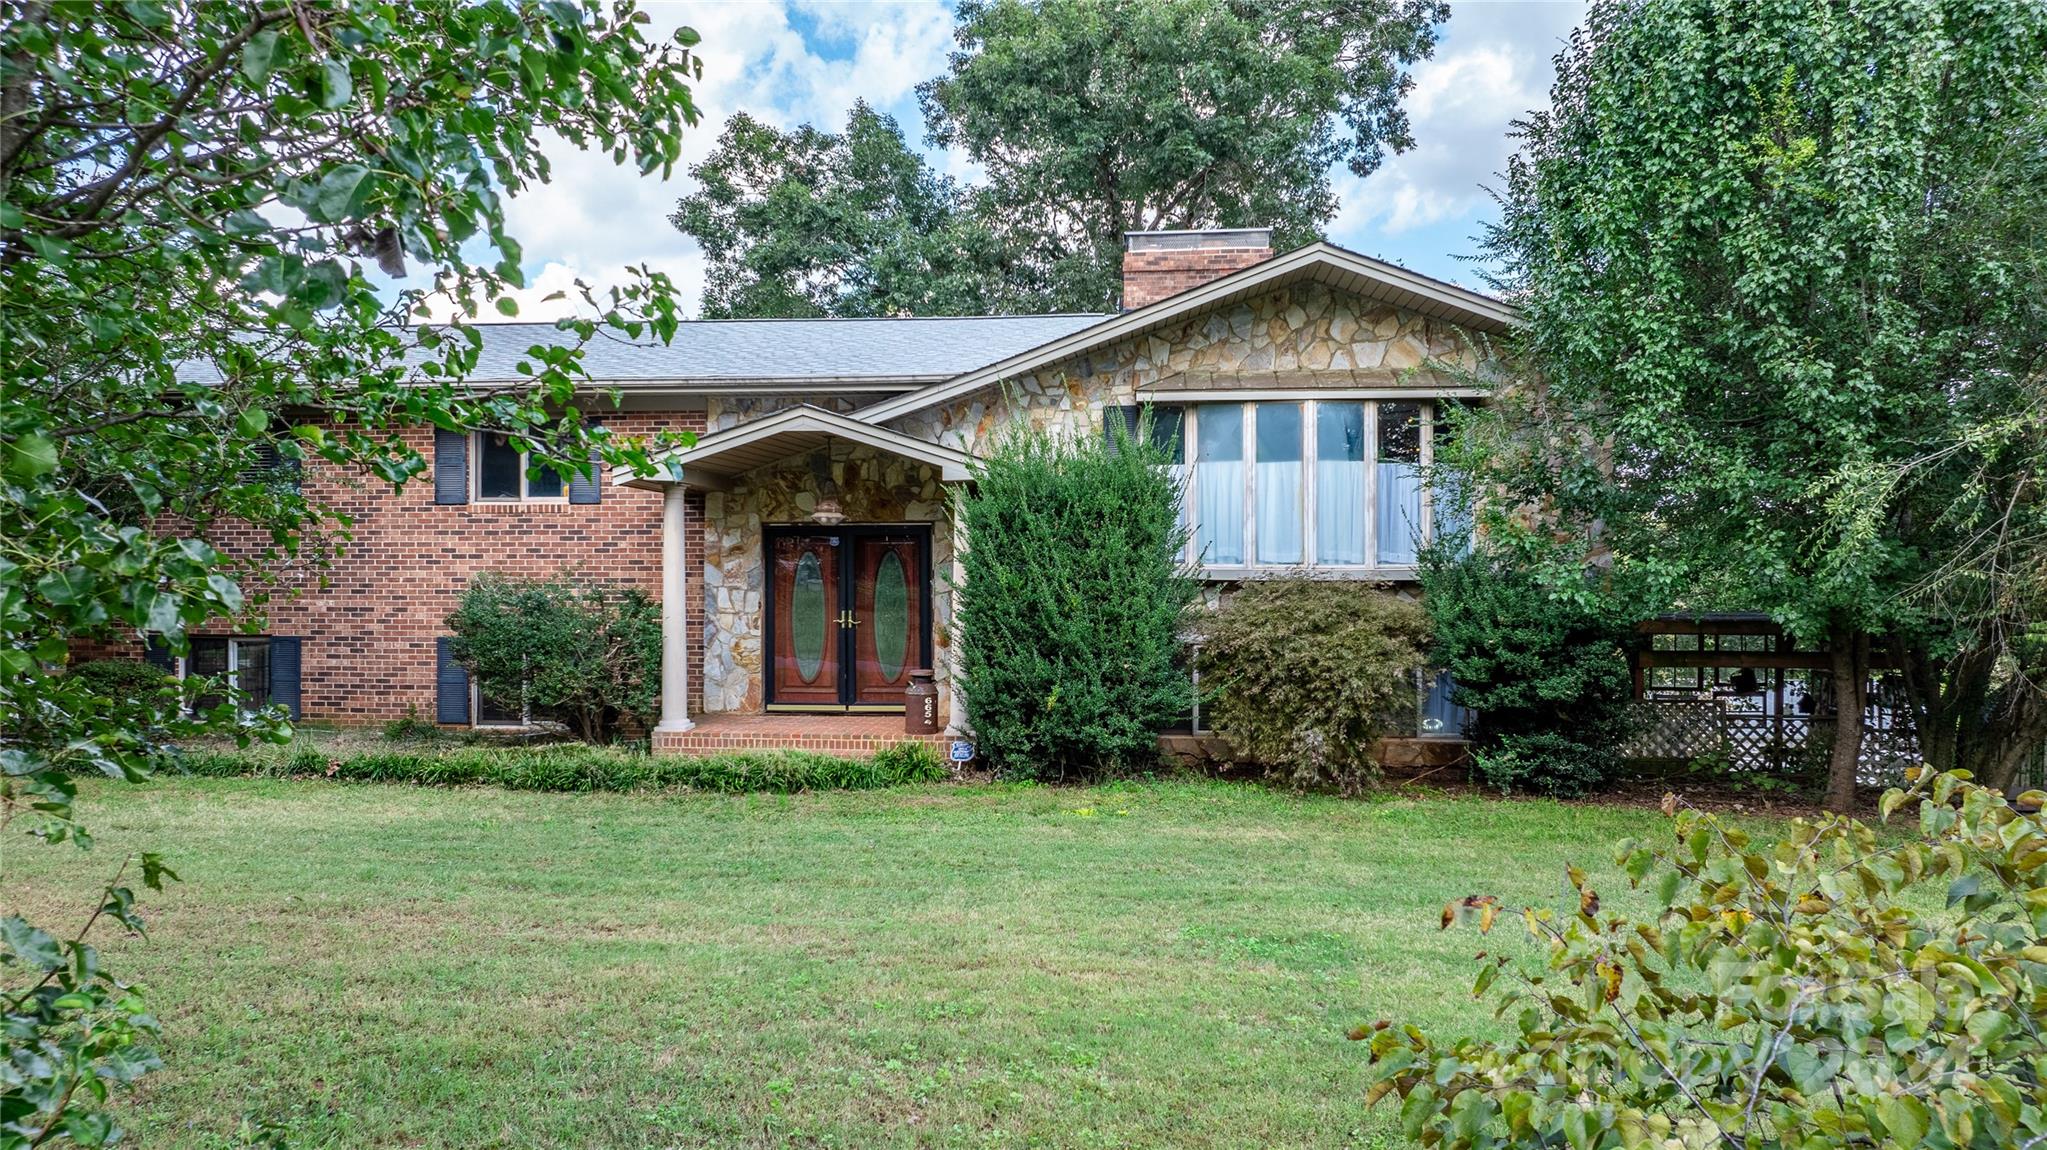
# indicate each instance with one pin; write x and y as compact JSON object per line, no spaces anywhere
{"x":849,"y":616}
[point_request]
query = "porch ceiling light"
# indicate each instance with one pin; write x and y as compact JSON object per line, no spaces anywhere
{"x":828,"y":513}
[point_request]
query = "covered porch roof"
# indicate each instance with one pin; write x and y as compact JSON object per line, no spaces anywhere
{"x":721,"y":456}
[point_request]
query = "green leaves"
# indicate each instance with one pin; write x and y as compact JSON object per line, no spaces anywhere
{"x":159,"y":318}
{"x":31,"y":456}
{"x":260,"y":54}
{"x":30,"y":945}
{"x":336,"y":88}
{"x":1873,"y":1015}
{"x":336,"y":198}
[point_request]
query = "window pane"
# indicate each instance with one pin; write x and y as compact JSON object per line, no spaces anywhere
{"x":1400,"y":433}
{"x":544,"y":484}
{"x":497,"y":468}
{"x":1219,"y":484}
{"x":1340,"y":483}
{"x":207,"y":660}
{"x":1167,"y":424}
{"x":491,"y":712}
{"x":1279,"y":483}
{"x":252,"y":670}
{"x":1400,"y":482}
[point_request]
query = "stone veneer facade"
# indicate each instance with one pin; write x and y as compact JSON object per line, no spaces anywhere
{"x":1305,"y":328}
{"x":874,"y":487}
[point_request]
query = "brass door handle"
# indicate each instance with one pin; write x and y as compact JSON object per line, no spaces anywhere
{"x":846,"y":619}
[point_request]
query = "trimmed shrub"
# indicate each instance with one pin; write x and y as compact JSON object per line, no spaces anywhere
{"x":121,"y":678}
{"x":1305,"y":674}
{"x":580,"y":768}
{"x":1072,"y":605}
{"x":1544,"y":667}
{"x":583,"y":655}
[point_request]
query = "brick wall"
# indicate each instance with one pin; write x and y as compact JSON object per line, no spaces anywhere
{"x":1150,"y":276}
{"x":368,"y":650}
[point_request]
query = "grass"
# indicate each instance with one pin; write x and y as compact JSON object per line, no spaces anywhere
{"x":1142,"y":965}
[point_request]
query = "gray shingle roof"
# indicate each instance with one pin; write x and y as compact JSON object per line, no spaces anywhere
{"x":766,"y":352}
{"x":786,"y":349}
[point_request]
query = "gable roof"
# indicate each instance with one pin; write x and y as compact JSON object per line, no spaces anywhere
{"x":716,"y":458}
{"x":1324,"y":263}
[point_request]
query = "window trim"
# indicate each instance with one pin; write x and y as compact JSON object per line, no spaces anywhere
{"x":476,"y":495}
{"x":476,"y":720}
{"x":234,"y":659}
{"x":1247,"y":405}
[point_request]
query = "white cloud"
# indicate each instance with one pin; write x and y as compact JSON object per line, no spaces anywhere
{"x":594,"y":219}
{"x":1493,"y":66}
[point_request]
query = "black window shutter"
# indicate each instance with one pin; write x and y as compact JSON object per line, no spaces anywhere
{"x":451,"y":686}
{"x":1119,"y":420}
{"x":157,"y":653}
{"x":451,"y":467}
{"x":588,"y":486}
{"x":284,"y":673}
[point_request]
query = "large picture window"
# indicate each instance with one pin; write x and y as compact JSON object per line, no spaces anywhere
{"x":1324,"y":483}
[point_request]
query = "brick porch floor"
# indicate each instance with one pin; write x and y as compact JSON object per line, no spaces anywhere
{"x":844,"y":734}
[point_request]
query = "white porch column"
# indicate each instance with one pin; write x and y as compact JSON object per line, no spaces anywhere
{"x":956,"y":703}
{"x":674,"y":613}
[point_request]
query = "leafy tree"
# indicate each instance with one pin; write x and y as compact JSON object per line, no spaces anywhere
{"x":808,"y":223}
{"x":1545,"y":668}
{"x":1783,"y":270}
{"x":1832,"y":987}
{"x":1072,"y":602}
{"x":584,"y":655}
{"x":1096,"y":117}
{"x":1304,"y":675}
{"x":189,"y":194}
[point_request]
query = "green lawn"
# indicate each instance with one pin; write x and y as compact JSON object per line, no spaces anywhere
{"x":1169,"y":965}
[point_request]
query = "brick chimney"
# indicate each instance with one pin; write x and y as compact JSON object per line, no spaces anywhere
{"x":1161,"y":264}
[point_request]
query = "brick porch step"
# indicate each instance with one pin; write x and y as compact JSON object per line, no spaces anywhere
{"x":838,"y":734}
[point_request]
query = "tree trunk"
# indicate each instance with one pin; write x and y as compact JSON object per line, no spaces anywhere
{"x":1850,"y":658}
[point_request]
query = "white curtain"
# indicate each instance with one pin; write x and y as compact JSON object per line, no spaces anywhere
{"x":1279,"y":511}
{"x":1340,"y":510}
{"x":1219,"y":485}
{"x":1279,"y":483}
{"x":1400,"y":511}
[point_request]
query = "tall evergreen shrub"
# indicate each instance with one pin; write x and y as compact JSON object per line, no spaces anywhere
{"x":1072,"y":604}
{"x":1544,"y":667}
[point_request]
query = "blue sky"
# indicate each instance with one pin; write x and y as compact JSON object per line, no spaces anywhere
{"x":797,"y":61}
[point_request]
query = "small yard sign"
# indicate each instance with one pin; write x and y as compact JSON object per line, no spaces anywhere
{"x":962,"y":751}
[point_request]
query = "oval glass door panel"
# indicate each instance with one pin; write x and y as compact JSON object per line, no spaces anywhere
{"x":891,"y":615}
{"x":807,"y":625}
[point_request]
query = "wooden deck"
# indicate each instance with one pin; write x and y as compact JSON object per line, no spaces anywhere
{"x":840,"y":734}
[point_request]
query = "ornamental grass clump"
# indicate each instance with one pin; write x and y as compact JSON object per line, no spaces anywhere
{"x":1837,"y":986}
{"x":1304,"y":675}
